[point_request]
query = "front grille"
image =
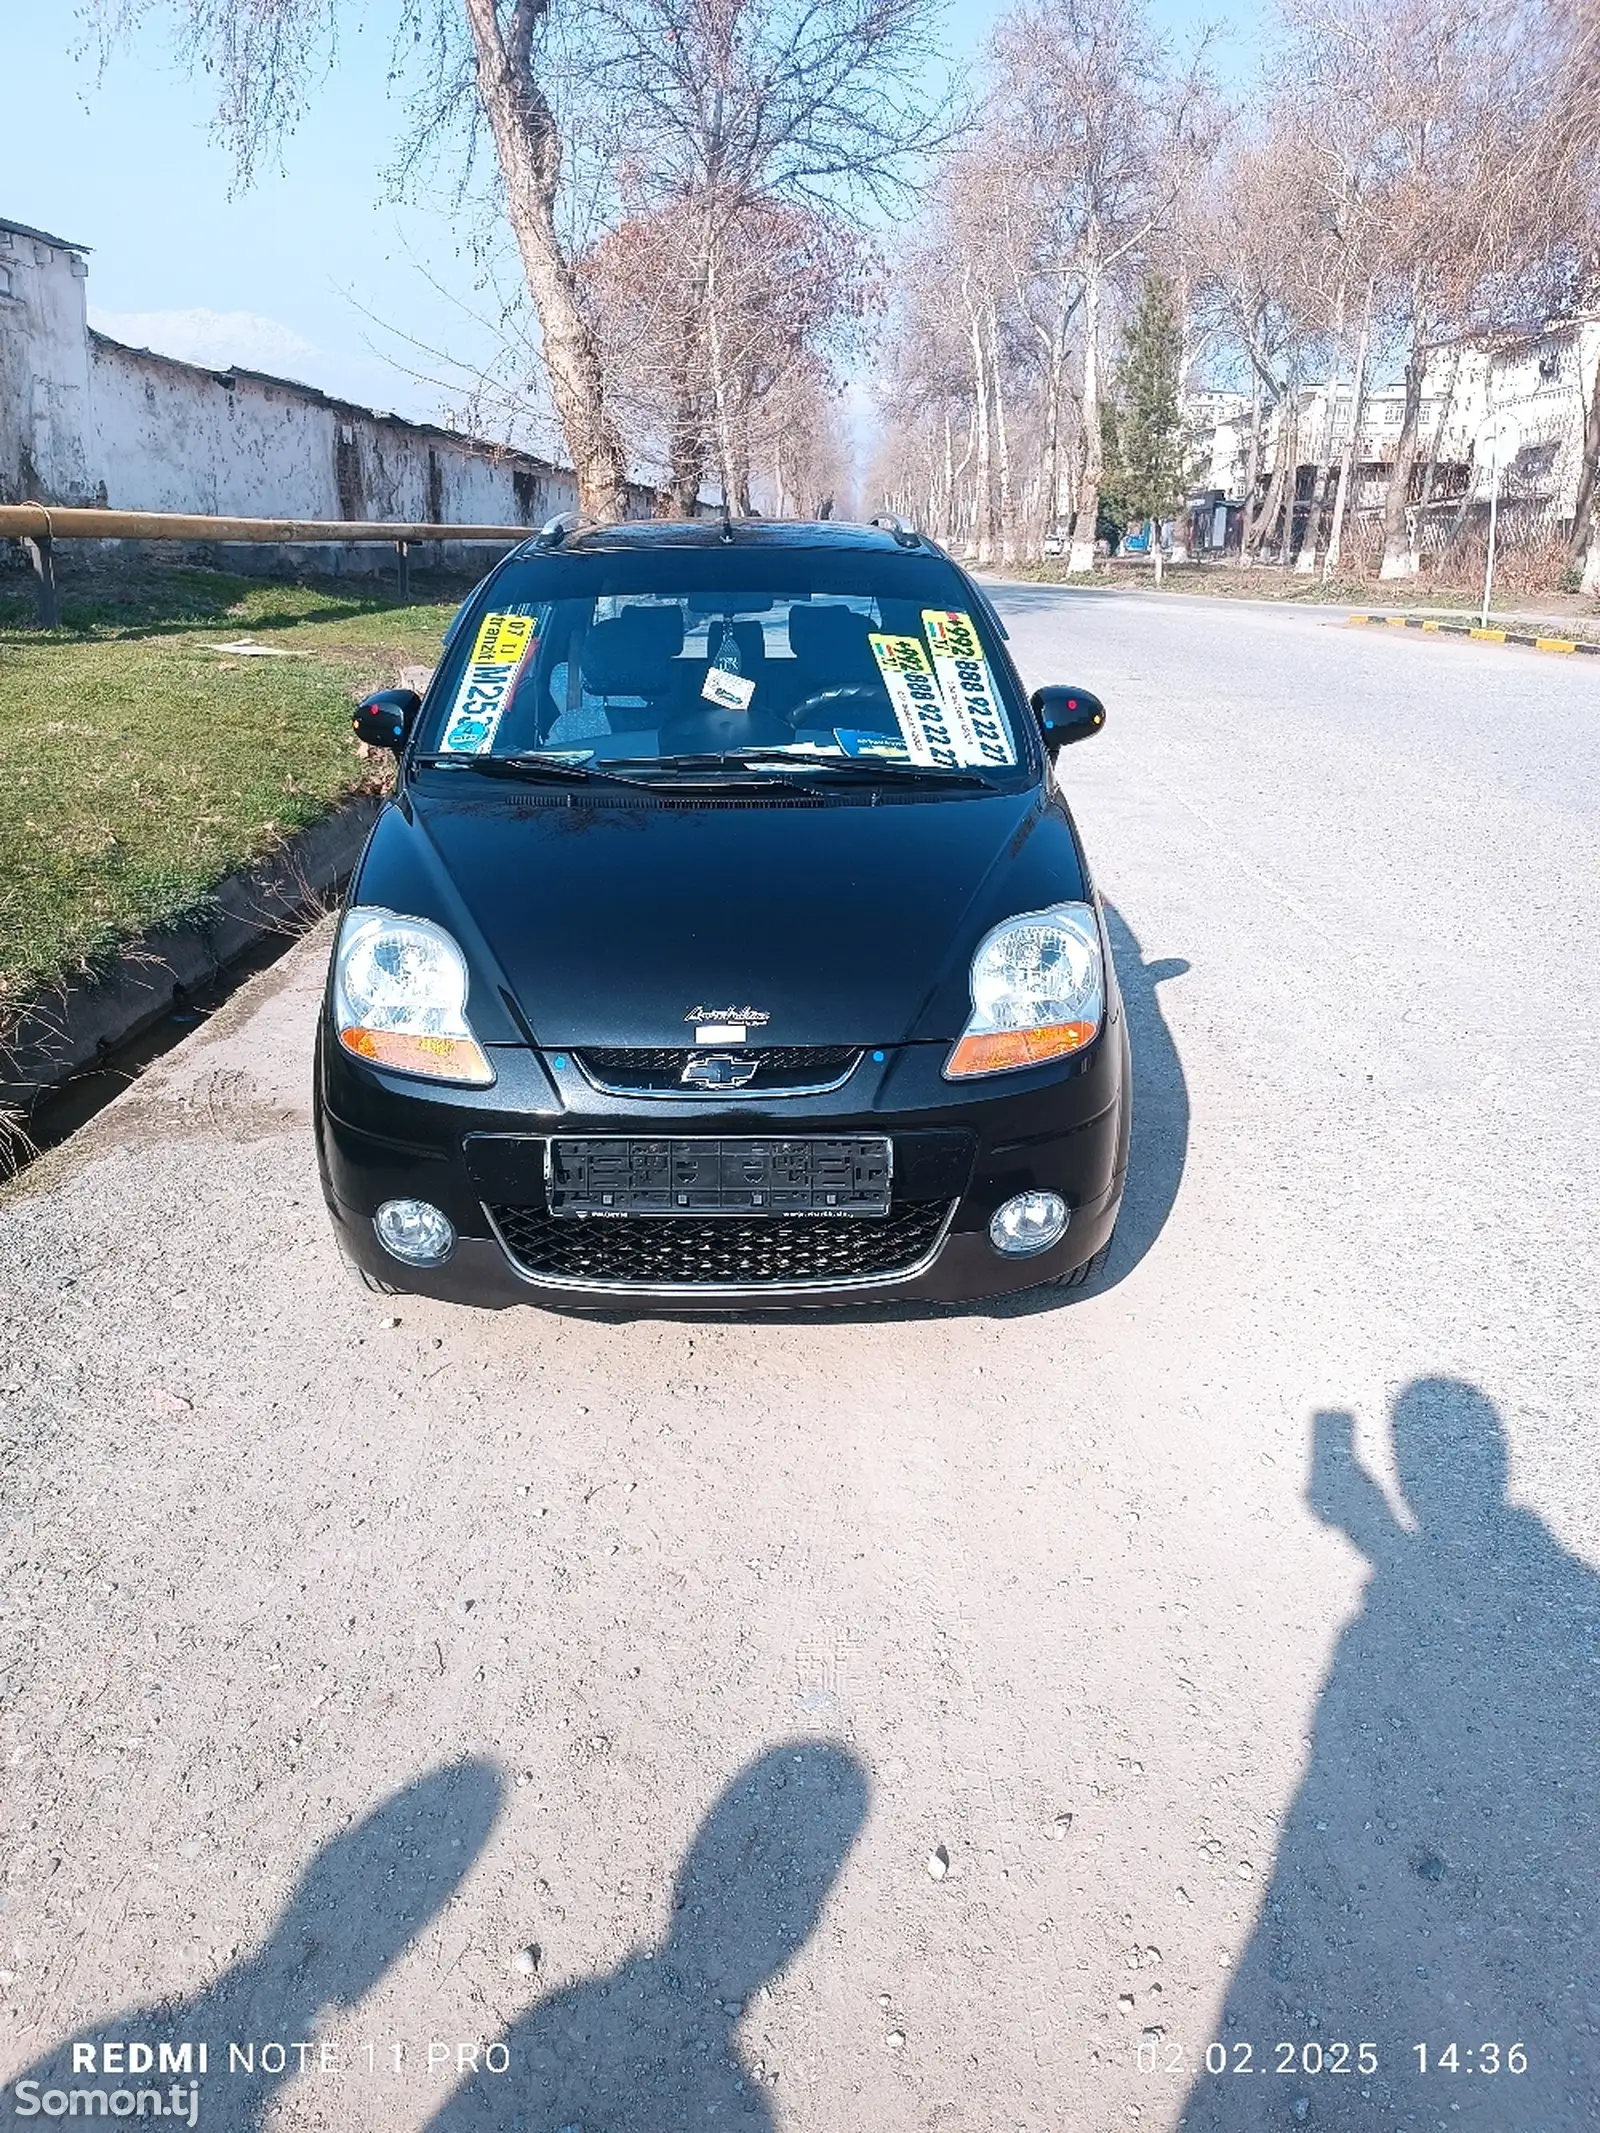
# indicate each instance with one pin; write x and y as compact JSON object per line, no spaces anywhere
{"x":658,"y":1070}
{"x":726,"y":1251}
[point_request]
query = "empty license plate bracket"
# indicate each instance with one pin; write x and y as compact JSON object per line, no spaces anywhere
{"x":840,"y":1175}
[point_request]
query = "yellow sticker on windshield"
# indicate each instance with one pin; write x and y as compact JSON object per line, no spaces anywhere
{"x":919,"y":706}
{"x":504,"y":643}
{"x":981,"y":732}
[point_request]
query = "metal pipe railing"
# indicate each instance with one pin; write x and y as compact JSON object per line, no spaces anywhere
{"x":40,"y":526}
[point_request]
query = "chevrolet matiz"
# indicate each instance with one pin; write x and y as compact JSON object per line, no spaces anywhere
{"x":727,"y":942}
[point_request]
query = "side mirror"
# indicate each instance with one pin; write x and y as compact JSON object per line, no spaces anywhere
{"x":1067,"y":715}
{"x":383,"y":719}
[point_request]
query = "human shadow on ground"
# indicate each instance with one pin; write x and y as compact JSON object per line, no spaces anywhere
{"x":353,"y":1913}
{"x":654,"y":2046}
{"x":1436,"y":1880}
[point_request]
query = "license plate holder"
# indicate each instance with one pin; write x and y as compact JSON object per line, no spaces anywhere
{"x":771,"y":1174}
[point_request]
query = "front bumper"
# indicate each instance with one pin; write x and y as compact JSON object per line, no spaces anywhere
{"x":960,"y":1150}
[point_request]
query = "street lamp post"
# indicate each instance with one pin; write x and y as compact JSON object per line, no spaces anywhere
{"x":1501,"y":439}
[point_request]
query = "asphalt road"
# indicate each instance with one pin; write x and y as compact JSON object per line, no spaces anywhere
{"x":1230,"y":1631}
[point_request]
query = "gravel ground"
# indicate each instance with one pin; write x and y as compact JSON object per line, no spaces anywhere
{"x":949,"y":1721}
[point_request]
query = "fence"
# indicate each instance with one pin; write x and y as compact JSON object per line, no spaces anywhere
{"x":40,"y":526}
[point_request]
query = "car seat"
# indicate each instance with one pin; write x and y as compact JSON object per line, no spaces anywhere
{"x":834,"y":661}
{"x":632,"y":661}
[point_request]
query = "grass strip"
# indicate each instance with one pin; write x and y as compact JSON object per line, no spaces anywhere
{"x":139,"y":765}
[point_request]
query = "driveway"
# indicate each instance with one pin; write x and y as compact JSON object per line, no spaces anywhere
{"x":955,"y":1720}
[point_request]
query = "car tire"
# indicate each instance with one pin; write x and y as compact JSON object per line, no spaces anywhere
{"x":359,"y":1275}
{"x":1081,"y":1276}
{"x":373,"y":1285}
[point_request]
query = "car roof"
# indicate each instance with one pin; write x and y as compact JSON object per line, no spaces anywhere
{"x":658,"y":533}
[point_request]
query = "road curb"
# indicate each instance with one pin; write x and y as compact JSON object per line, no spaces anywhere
{"x":60,"y":1033}
{"x":1471,"y":629}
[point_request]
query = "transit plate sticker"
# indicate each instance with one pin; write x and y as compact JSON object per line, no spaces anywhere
{"x":504,"y":644}
{"x":918,"y":702}
{"x":982,"y":735}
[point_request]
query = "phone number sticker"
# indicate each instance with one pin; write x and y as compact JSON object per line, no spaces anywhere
{"x":503,"y":646}
{"x":919,"y":703}
{"x":982,"y":735}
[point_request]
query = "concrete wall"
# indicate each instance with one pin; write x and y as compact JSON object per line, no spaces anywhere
{"x":45,"y":418}
{"x":169,"y":436}
{"x":85,"y":420}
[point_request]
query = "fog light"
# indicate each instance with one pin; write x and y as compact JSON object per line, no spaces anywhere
{"x":414,"y":1231}
{"x":1031,"y":1222}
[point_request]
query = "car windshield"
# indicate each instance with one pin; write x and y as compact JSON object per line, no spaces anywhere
{"x":672,"y":660}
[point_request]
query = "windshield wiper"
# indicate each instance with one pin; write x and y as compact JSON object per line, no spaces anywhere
{"x":879,"y":769}
{"x":528,"y":766}
{"x":886,"y":768}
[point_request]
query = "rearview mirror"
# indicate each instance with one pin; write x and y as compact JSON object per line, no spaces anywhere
{"x":383,"y":719}
{"x":1067,"y":715}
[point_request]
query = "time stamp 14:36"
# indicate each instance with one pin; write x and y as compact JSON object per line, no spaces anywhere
{"x":1160,"y":2055}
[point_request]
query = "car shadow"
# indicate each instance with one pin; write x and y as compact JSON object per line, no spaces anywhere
{"x":1159,"y":1144}
{"x":355,"y":1910}
{"x":1437,"y":1882}
{"x":654,"y":2046}
{"x":1158,"y":1149}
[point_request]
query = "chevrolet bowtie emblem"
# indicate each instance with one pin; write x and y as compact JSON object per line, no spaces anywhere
{"x":718,"y":1070}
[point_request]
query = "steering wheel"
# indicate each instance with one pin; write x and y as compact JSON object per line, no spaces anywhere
{"x":826,"y":702}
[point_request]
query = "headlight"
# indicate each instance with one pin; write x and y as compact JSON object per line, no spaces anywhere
{"x":1038,"y":992}
{"x":400,"y":998}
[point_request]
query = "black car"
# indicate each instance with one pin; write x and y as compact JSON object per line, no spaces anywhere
{"x":727,"y":941}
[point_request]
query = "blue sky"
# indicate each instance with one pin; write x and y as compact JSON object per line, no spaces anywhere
{"x":293,"y":275}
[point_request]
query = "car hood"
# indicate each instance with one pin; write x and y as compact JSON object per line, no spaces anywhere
{"x":592,"y":922}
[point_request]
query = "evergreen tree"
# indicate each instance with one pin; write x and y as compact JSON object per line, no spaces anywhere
{"x":1151,"y":460}
{"x":1114,"y":517}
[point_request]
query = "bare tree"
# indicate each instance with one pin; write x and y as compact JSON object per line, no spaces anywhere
{"x":927,"y":393}
{"x":742,"y":113}
{"x":1253,"y":248}
{"x":709,"y":106}
{"x":792,"y":306}
{"x":1440,"y":89}
{"x":640,"y":286}
{"x":528,"y":142}
{"x":1095,"y":107}
{"x":1561,"y":175}
{"x":1339,"y":232}
{"x":1584,"y":545}
{"x":702,"y":373}
{"x":265,"y":59}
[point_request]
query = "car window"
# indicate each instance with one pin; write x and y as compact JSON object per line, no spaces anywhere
{"x":660,"y":657}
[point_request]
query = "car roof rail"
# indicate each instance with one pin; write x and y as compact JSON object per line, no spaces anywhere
{"x":905,"y":536}
{"x":555,"y":530}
